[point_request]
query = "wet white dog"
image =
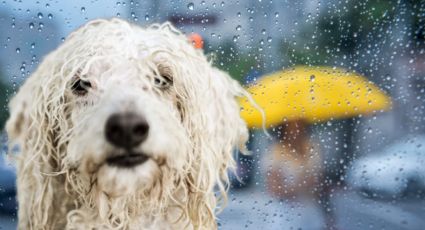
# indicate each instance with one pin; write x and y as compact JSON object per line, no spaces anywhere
{"x":124,"y":127}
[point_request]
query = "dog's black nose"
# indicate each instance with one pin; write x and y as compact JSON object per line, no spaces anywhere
{"x":126,"y":130}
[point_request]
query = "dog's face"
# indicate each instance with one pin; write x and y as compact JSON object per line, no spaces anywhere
{"x":127,"y":118}
{"x":129,"y":109}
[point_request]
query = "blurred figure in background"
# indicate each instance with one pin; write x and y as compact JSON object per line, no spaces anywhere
{"x":294,"y":169}
{"x":295,"y":163}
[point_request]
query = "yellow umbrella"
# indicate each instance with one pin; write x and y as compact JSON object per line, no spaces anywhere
{"x":313,"y":94}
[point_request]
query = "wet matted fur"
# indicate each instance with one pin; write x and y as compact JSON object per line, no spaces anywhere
{"x":63,"y":178}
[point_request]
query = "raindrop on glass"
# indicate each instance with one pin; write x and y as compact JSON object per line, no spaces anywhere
{"x":369,"y":130}
{"x":190,"y":6}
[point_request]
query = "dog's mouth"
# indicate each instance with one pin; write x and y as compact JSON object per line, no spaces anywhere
{"x":127,"y":160}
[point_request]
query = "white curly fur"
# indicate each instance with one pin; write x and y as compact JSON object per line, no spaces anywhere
{"x":63,"y":180}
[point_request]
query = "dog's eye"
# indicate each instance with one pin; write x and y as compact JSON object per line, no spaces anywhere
{"x":80,"y":87}
{"x":162,"y":82}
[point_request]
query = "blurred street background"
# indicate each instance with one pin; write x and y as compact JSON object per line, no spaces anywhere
{"x":363,"y":171}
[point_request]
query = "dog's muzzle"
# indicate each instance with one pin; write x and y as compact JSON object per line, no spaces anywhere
{"x":126,"y":131}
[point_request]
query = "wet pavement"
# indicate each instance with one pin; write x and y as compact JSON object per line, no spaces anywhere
{"x":353,"y":211}
{"x":249,"y":209}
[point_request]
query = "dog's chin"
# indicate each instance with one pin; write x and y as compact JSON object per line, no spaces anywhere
{"x":127,"y":175}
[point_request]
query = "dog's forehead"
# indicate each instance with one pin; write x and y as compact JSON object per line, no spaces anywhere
{"x":123,"y":44}
{"x":115,"y":47}
{"x":119,"y":35}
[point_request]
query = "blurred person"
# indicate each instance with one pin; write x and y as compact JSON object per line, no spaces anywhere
{"x":294,"y":169}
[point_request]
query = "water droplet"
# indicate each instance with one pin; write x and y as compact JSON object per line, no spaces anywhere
{"x":50,"y":16}
{"x":146,"y":17}
{"x":369,"y":130}
{"x":239,"y":27}
{"x":190,"y":6}
{"x":40,"y":15}
{"x":18,"y":50}
{"x":83,"y":9}
{"x":31,"y":25}
{"x":312,"y":78}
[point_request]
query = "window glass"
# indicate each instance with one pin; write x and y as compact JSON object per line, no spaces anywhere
{"x":342,"y":84}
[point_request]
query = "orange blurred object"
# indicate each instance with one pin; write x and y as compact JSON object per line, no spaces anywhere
{"x":196,"y":40}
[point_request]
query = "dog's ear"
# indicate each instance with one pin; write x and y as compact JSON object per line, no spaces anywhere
{"x":230,"y":129}
{"x":32,"y":123}
{"x":231,"y":126}
{"x":18,"y":121}
{"x":214,"y":122}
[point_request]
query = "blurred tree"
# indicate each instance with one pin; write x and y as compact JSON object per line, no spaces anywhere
{"x":230,"y":59}
{"x":5,"y":90}
{"x":418,"y":27}
{"x":341,"y":33}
